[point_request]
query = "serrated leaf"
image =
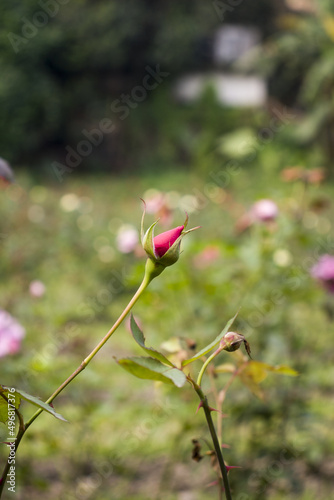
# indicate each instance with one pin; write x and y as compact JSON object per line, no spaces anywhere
{"x":152,"y":369}
{"x":38,"y":402}
{"x":213,"y":344}
{"x":140,"y":339}
{"x":4,"y":404}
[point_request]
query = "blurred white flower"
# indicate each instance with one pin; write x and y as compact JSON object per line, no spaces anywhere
{"x":37,"y":288}
{"x":264,"y":210}
{"x":127,"y":238}
{"x":11,"y":334}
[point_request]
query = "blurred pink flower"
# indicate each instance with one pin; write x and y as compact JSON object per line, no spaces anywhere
{"x":155,"y":202}
{"x":323,"y":271}
{"x":11,"y":334}
{"x":264,"y":210}
{"x":37,"y":288}
{"x":127,"y":238}
{"x":210,"y":254}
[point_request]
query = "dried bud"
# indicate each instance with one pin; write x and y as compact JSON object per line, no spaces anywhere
{"x":232,"y":341}
{"x":196,"y":452}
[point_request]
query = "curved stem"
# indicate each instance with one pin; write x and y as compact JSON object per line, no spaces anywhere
{"x":87,"y":360}
{"x":215,"y":440}
{"x":205,"y":365}
{"x":151,"y":271}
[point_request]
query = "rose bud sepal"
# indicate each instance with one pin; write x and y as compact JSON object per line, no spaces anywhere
{"x":164,"y":248}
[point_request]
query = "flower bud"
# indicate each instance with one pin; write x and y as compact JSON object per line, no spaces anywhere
{"x":232,"y":341}
{"x":163,"y":249}
{"x":163,"y":242}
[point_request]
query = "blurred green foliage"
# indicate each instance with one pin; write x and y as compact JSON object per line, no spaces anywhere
{"x":63,"y":63}
{"x":131,"y":437}
{"x":298,"y":62}
{"x":127,"y":436}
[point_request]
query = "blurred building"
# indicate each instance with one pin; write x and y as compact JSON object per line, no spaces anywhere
{"x":231,"y":44}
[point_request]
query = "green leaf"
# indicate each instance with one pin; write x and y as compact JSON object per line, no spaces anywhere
{"x":238,"y":144}
{"x":140,"y":339}
{"x":38,"y":402}
{"x":14,"y":400}
{"x":255,"y":372}
{"x":213,"y":344}
{"x":284,"y":370}
{"x":152,"y":369}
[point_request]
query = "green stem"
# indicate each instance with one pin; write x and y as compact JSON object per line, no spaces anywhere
{"x":88,"y":359}
{"x":205,"y":365}
{"x":215,"y":440}
{"x":152,"y":270}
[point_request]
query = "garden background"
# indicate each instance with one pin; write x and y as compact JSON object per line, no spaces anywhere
{"x":97,"y":110}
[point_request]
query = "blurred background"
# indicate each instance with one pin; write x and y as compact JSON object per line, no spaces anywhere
{"x":223,"y":109}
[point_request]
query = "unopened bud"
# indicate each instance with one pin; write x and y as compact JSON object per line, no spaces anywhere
{"x":232,"y":341}
{"x":163,"y":249}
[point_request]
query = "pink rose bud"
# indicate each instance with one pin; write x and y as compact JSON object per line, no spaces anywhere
{"x":164,"y":249}
{"x":165,"y":240}
{"x":264,"y":211}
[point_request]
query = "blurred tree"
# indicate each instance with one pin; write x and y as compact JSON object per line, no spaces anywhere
{"x":63,"y":62}
{"x":299,"y":63}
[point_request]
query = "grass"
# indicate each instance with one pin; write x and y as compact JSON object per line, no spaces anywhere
{"x":129,"y":438}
